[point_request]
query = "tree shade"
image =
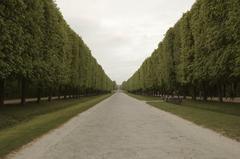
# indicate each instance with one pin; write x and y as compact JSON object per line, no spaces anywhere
{"x":40,"y":55}
{"x":198,"y":57}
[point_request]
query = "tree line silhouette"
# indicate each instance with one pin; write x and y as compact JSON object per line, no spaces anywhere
{"x":198,"y":57}
{"x":40,"y":55}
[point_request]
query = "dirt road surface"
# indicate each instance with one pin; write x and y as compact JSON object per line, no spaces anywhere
{"x":124,"y":128}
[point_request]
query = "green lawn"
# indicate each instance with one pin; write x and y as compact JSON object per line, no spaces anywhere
{"x":221,"y":117}
{"x":11,"y":115}
{"x":144,"y":98}
{"x":22,"y":124}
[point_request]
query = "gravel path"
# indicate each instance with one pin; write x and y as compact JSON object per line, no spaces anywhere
{"x":124,"y":128}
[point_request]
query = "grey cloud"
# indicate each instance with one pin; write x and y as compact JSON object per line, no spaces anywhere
{"x":121,"y":34}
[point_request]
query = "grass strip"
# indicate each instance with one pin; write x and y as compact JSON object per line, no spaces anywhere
{"x":11,"y":115}
{"x":14,"y":137}
{"x":223,"y":118}
{"x":143,"y":98}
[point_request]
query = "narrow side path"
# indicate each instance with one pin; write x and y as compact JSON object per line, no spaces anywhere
{"x":122,"y":127}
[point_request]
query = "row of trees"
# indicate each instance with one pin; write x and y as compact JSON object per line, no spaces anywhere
{"x":199,"y":56}
{"x":41,"y":55}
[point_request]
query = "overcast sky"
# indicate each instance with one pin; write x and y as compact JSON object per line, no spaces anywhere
{"x":122,"y":33}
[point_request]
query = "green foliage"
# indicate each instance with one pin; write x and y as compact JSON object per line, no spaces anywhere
{"x":199,"y":56}
{"x":25,"y":124}
{"x":39,"y":48}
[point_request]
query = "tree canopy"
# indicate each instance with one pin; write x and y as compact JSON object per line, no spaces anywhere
{"x":40,"y":53}
{"x":199,"y":56}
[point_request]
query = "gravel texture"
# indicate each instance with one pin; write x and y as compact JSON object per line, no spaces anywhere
{"x":122,"y":127}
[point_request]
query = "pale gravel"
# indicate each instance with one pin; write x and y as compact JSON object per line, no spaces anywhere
{"x":122,"y":127}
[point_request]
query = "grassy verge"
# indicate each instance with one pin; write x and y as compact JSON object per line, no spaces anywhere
{"x":40,"y":120}
{"x":144,"y":98}
{"x":220,"y":117}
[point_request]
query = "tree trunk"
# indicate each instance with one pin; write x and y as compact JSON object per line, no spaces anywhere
{"x":204,"y":92}
{"x":184,"y":91}
{"x":2,"y":84}
{"x":50,"y":95}
{"x":38,"y":99}
{"x":75,"y":93}
{"x":194,"y":95}
{"x":23,"y":91}
{"x":235,"y":85}
{"x":59,"y":92}
{"x":39,"y":94}
{"x":224,"y":90}
{"x":65,"y":92}
{"x":79,"y":93}
{"x":184,"y":97}
{"x":220,"y":96}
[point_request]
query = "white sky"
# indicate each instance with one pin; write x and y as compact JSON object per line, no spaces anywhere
{"x":122,"y":33}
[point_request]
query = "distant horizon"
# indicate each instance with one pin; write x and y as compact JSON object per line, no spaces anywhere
{"x":122,"y":35}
